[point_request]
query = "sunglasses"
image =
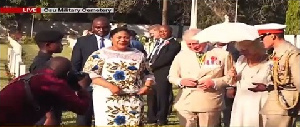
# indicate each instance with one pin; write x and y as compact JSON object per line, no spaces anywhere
{"x":264,"y":35}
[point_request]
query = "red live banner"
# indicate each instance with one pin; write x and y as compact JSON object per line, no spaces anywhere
{"x":20,"y":10}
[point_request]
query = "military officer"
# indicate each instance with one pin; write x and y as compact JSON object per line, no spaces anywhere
{"x":282,"y":105}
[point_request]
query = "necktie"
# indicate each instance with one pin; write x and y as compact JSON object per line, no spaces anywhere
{"x":102,"y":45}
{"x":151,"y":54}
{"x":155,"y":54}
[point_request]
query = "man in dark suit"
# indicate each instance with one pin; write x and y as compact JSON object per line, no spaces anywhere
{"x":160,"y":61}
{"x":230,"y":91}
{"x":84,"y":47}
{"x":151,"y":96}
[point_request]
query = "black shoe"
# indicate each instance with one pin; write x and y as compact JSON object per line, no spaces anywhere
{"x":162,"y":123}
{"x":151,"y":122}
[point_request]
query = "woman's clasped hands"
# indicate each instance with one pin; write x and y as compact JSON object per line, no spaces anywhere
{"x":115,"y":90}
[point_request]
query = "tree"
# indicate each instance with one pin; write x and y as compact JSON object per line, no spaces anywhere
{"x":4,"y":18}
{"x":262,"y":11}
{"x":293,"y":17}
{"x":165,"y":13}
{"x":222,"y":8}
{"x":132,"y":11}
{"x":206,"y":16}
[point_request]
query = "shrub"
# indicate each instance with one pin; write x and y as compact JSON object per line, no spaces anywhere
{"x":28,"y":40}
{"x":144,"y":39}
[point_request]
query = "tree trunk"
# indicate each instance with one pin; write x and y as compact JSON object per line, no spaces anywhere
{"x":295,"y":40}
{"x":165,"y":13}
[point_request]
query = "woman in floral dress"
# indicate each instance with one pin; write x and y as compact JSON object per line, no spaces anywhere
{"x":118,"y":74}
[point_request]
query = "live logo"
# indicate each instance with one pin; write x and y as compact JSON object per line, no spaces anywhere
{"x":29,"y":10}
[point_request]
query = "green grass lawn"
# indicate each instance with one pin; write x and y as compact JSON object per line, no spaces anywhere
{"x":3,"y":61}
{"x":31,"y":50}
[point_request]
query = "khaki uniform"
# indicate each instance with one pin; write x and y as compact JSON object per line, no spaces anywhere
{"x":277,"y":115}
{"x":195,"y":105}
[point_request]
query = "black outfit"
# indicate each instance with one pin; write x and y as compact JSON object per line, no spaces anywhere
{"x":229,"y":101}
{"x":48,"y":36}
{"x":39,"y":63}
{"x":162,"y":91}
{"x":84,"y":47}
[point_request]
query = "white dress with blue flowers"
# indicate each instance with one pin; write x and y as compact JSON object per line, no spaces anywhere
{"x":126,"y":70}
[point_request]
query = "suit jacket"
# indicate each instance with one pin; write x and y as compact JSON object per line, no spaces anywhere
{"x":186,"y":65}
{"x":282,"y":52}
{"x":162,"y":64}
{"x":84,"y":47}
{"x":48,"y":91}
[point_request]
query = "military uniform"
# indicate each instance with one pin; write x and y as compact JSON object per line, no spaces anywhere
{"x":199,"y":106}
{"x":282,"y":105}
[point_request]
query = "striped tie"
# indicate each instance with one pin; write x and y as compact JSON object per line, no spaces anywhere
{"x":102,"y":45}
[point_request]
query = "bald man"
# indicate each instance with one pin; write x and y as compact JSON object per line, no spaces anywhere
{"x":84,"y":47}
{"x":26,"y":99}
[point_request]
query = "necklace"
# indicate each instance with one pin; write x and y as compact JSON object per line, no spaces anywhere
{"x":257,"y":71}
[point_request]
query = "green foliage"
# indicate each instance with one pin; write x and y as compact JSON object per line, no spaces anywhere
{"x":262,"y":11}
{"x":150,"y":11}
{"x":293,"y":17}
{"x":143,"y":39}
{"x":206,"y":17}
{"x":27,"y":40}
{"x":7,"y":16}
{"x":124,"y":6}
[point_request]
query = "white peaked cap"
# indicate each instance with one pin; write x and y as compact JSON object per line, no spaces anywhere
{"x":270,"y":28}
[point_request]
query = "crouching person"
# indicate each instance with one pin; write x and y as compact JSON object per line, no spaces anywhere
{"x":27,"y":98}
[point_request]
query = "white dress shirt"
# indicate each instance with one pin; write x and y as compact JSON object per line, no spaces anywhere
{"x":107,"y":41}
{"x":160,"y":45}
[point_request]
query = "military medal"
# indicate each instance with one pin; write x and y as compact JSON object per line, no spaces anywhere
{"x":213,"y":60}
{"x":201,"y":58}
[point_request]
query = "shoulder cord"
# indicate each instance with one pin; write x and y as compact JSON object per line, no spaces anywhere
{"x":29,"y":95}
{"x":278,"y":82}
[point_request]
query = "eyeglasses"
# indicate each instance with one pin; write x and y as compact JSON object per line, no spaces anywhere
{"x":264,"y":35}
